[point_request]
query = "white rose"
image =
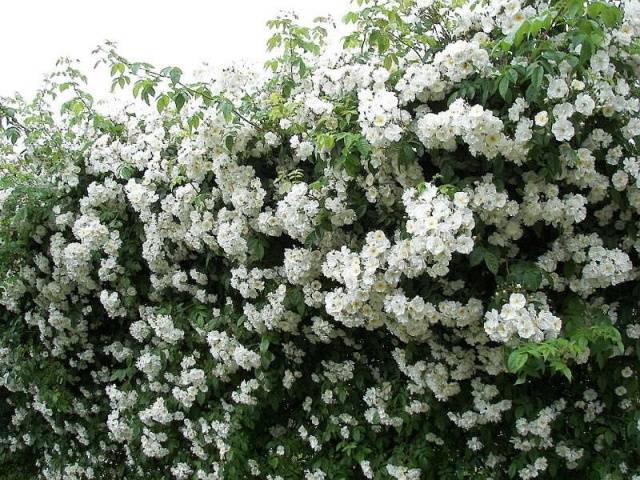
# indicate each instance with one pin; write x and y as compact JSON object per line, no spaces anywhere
{"x":563,"y":130}
{"x":620,"y":179}
{"x":557,"y":88}
{"x":541,"y":119}
{"x":584,"y":104}
{"x":517,"y":301}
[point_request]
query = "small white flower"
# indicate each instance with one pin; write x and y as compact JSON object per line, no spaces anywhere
{"x":584,"y":104}
{"x":563,"y":130}
{"x":577,"y":85}
{"x":517,"y":300}
{"x":271,"y":139}
{"x":620,"y":179}
{"x":557,"y":88}
{"x":541,"y":118}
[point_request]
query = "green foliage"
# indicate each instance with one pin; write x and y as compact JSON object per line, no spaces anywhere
{"x":209,"y":139}
{"x":587,"y":332}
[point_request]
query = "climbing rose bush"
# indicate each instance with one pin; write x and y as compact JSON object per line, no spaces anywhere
{"x":412,"y":255}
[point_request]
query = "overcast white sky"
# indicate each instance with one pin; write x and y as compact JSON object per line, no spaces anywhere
{"x":184,"y":33}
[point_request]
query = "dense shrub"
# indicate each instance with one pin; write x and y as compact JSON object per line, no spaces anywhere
{"x":414,"y":256}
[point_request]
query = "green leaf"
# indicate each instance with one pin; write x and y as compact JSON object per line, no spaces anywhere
{"x":561,"y":367}
{"x":229,"y":142}
{"x":610,"y":14}
{"x":162,"y":102}
{"x":125,"y":171}
{"x":175,"y":73}
{"x":537,"y":75}
{"x":318,"y":184}
{"x":554,"y":166}
{"x":117,"y":69}
{"x":527,"y":274}
{"x":522,"y":32}
{"x":383,"y":42}
{"x":517,"y":359}
{"x":264,"y":345}
{"x":491,"y":261}
{"x":226,"y":107}
{"x":388,"y":62}
{"x":574,"y":8}
{"x":193,"y":122}
{"x":295,"y":299}
{"x":137,"y":87}
{"x":503,"y":87}
{"x":256,"y":248}
{"x":476,"y":256}
{"x":179,"y":99}
{"x":12,"y":134}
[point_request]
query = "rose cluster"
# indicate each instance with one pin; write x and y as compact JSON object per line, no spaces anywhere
{"x":411,"y":256}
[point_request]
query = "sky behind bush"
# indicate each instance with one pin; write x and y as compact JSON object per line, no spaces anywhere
{"x":184,"y":33}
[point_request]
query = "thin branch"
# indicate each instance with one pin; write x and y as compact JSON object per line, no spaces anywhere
{"x":11,"y":119}
{"x":206,"y":96}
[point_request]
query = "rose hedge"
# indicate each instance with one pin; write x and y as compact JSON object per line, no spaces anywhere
{"x":414,"y":256}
